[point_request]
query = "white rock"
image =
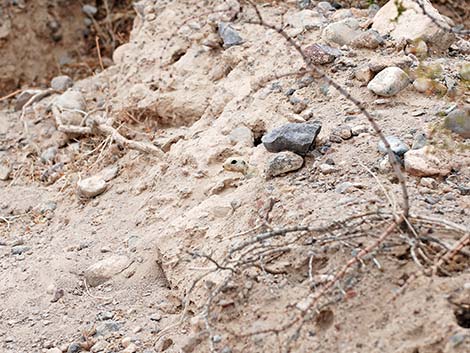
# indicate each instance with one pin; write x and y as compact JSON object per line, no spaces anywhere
{"x":132,"y":348}
{"x":306,"y":19}
{"x":5,"y":172}
{"x":389,"y":82}
{"x":327,"y":168}
{"x":412,"y":24}
{"x":429,"y":183}
{"x":124,"y":53}
{"x":283,"y":162}
{"x":426,"y":162}
{"x":126,"y":341}
{"x":99,"y":346}
{"x":91,"y":187}
{"x":423,"y":84}
{"x":71,"y":100}
{"x":104,"y":270}
{"x":384,"y":165}
{"x":342,"y":32}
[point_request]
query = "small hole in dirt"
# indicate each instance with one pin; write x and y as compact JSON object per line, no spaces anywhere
{"x":167,"y":344}
{"x":462,"y":315}
{"x":257,"y":141}
{"x":60,"y":40}
{"x":177,"y":55}
{"x":325,"y":319}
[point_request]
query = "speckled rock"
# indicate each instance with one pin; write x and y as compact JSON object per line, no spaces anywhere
{"x":283,"y":162}
{"x":412,"y":24}
{"x":426,"y":162}
{"x":389,"y":82}
{"x":321,"y":54}
{"x":458,"y":121}
{"x":370,"y":39}
{"x":342,"y":32}
{"x":91,"y":187}
{"x":104,"y":270}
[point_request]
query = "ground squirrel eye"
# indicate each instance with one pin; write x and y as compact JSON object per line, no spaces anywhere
{"x":233,"y":162}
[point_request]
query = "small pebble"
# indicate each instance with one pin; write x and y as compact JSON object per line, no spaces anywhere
{"x":89,"y":10}
{"x":74,"y":348}
{"x":20,"y":249}
{"x":91,"y":187}
{"x":327,"y":168}
{"x":396,"y":145}
{"x":429,"y":183}
{"x":131,"y":348}
{"x":61,"y":83}
{"x":126,"y":341}
{"x":283,"y":162}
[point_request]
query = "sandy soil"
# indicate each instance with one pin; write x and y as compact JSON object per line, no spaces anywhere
{"x":171,"y":218}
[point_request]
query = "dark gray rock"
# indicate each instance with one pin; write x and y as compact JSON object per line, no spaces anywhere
{"x":458,"y":121}
{"x":398,"y":146}
{"x":229,"y":35}
{"x":294,"y":137}
{"x":74,"y":348}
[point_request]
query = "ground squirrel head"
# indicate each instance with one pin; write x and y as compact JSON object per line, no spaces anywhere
{"x":236,"y":164}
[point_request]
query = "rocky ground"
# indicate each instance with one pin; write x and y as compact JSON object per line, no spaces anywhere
{"x":119,"y":191}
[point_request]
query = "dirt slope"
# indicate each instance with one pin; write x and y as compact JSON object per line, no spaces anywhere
{"x":175,"y":85}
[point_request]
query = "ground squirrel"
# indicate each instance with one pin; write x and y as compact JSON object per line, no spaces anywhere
{"x":237,"y":164}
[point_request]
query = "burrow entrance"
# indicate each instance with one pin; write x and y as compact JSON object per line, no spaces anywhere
{"x":40,"y":39}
